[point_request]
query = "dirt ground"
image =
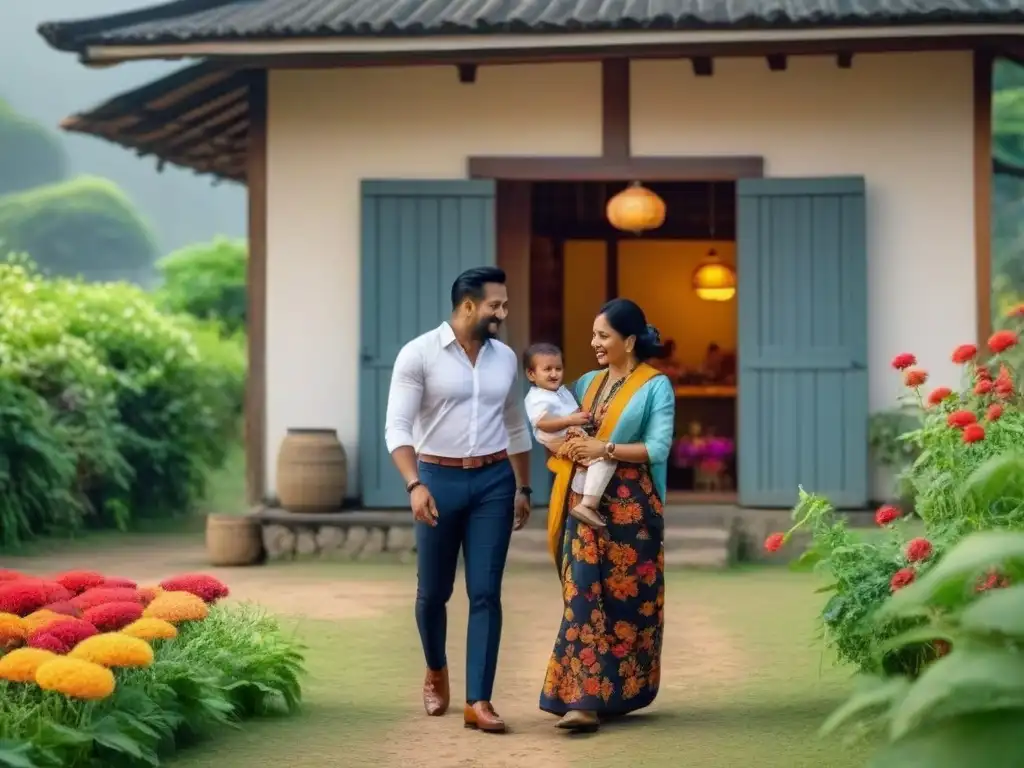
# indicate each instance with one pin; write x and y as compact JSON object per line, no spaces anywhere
{"x":701,"y":655}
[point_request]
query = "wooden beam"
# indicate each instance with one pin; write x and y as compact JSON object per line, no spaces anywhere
{"x":615,"y":142}
{"x":711,"y":168}
{"x":611,"y":268}
{"x":982,"y":86}
{"x":467,"y":73}
{"x":777,"y":62}
{"x":256,"y":293}
{"x":844,"y":60}
{"x":703,"y":66}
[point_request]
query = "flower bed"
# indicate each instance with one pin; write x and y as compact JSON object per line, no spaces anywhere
{"x":968,"y":477}
{"x":99,"y":671}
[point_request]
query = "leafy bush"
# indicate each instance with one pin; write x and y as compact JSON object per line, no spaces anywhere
{"x":30,"y":155}
{"x":173,"y":680}
{"x":966,"y":708}
{"x":960,"y":433}
{"x":111,"y":408}
{"x":207,"y":280}
{"x":82,"y":227}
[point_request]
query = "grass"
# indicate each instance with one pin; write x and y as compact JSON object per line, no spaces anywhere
{"x":757,"y":699}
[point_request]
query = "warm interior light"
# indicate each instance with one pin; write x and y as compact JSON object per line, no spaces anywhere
{"x":714,"y":281}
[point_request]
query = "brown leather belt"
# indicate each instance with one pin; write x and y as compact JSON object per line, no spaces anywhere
{"x":471,"y":462}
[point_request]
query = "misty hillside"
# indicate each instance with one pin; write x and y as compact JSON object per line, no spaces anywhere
{"x":46,"y":85}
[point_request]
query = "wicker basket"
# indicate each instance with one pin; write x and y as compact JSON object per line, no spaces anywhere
{"x":312,"y":471}
{"x":233,"y":540}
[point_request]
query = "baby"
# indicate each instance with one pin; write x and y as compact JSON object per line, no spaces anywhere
{"x":556,"y":419}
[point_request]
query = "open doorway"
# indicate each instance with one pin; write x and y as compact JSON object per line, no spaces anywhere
{"x":578,"y":261}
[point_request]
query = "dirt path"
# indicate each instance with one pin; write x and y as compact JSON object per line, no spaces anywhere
{"x":700,"y":659}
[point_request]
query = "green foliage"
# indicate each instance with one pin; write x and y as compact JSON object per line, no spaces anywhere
{"x":30,"y":155}
{"x":109,"y":408}
{"x":237,"y":663}
{"x":965,"y":709}
{"x":207,"y":280}
{"x":950,"y":482}
{"x":82,"y":227}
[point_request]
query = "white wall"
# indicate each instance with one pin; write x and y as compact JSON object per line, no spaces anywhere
{"x":902,"y":121}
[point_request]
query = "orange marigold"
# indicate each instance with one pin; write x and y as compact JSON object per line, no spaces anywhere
{"x":12,"y":630}
{"x":75,"y":678}
{"x":176,"y":607}
{"x":114,"y":649}
{"x":39,"y":619}
{"x":20,"y":665}
{"x":151,"y":629}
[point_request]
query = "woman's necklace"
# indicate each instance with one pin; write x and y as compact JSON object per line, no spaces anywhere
{"x":605,"y":397}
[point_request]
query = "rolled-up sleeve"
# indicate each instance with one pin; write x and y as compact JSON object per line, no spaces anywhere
{"x":660,"y":421}
{"x":404,"y":398}
{"x":519,"y":440}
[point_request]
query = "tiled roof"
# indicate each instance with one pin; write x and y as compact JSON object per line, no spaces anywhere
{"x":220,"y":20}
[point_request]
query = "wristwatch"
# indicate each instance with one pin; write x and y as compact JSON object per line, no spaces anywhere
{"x":526,"y":490}
{"x":413,"y":486}
{"x":609,"y":450}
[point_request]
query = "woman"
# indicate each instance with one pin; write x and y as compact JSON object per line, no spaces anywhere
{"x":607,"y":658}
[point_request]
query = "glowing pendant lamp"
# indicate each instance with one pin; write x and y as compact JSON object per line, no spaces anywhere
{"x":636,"y":209}
{"x":713,"y":280}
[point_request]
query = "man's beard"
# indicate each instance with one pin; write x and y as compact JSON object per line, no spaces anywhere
{"x":483,"y":331}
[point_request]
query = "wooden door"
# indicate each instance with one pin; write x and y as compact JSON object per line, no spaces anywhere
{"x":417,"y":236}
{"x":803,"y":381}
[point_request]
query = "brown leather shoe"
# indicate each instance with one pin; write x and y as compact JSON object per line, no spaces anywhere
{"x":482,"y":716}
{"x":435,"y":692}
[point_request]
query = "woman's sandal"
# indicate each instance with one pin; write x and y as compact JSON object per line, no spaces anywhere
{"x":579,"y":720}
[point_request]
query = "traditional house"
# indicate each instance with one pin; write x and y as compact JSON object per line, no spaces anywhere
{"x":833,"y":158}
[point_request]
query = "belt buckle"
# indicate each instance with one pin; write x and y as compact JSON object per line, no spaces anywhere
{"x":472,"y":462}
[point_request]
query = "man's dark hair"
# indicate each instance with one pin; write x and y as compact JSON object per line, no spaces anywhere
{"x":535,"y":350}
{"x":470,"y":284}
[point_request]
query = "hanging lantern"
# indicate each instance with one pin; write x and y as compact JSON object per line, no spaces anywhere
{"x":636,"y":209}
{"x":713,"y":280}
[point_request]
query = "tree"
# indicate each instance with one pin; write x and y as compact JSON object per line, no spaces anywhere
{"x":85,"y":226}
{"x":207,"y":280}
{"x":30,"y":155}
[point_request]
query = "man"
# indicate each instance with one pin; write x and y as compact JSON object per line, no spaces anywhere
{"x":457,"y":387}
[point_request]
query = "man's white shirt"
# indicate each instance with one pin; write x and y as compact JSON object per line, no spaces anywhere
{"x":442,"y":405}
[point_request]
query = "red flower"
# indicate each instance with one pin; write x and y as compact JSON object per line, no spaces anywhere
{"x":1000,"y":341}
{"x":903,"y":361}
{"x":774,"y":542}
{"x":915,"y":377}
{"x":973,"y":433}
{"x":1004,"y":389}
{"x":982,"y":372}
{"x":939,"y":394}
{"x":886,"y":514}
{"x":620,"y":650}
{"x":78,"y":581}
{"x":65,"y":607}
{"x":68,"y":631}
{"x":901,"y":578}
{"x":983,"y":387}
{"x":623,"y":492}
{"x":21,"y":597}
{"x":100,"y":595}
{"x":993,"y":580}
{"x":6,"y":575}
{"x":961,"y":419}
{"x":994,"y":412}
{"x":48,"y":642}
{"x":116,"y":581}
{"x":964,"y":353}
{"x":147,"y":595}
{"x":588,"y":656}
{"x":111,"y":617}
{"x":647,"y":572}
{"x":201,"y":585}
{"x":918,"y":549}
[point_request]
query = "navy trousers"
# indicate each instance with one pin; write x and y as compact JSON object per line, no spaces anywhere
{"x":475,"y":512}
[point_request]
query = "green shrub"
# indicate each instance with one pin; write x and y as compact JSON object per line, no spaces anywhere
{"x":960,"y":433}
{"x":207,"y":280}
{"x":30,"y":155}
{"x":130,"y":407}
{"x":83,"y":227}
{"x":966,"y":707}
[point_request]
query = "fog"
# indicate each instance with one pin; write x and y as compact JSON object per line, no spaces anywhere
{"x":47,"y":85}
